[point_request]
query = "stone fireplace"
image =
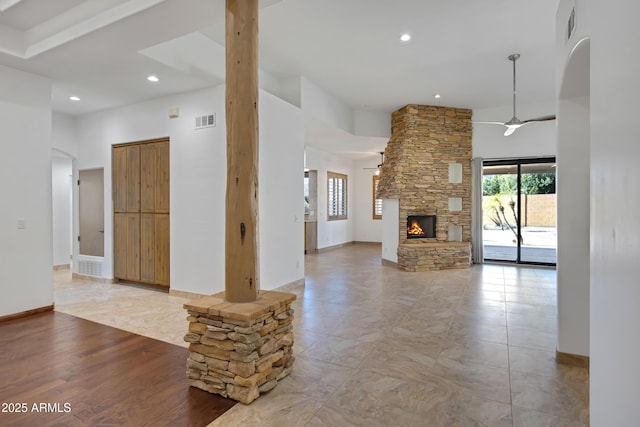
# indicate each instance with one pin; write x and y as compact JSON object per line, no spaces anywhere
{"x":427,"y":168}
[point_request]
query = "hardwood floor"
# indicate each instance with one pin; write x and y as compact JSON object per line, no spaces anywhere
{"x":90,"y":374}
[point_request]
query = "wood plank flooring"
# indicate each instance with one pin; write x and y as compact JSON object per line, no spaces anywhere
{"x":94,"y":375}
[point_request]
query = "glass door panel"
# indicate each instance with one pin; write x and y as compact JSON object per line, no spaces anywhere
{"x":538,"y":213}
{"x":500,"y":207}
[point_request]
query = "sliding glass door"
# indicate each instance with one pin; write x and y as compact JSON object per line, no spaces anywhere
{"x":519,"y":211}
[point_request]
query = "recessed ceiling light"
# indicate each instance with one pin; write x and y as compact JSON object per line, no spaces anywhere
{"x":153,"y":79}
{"x":74,"y":98}
{"x":405,"y":37}
{"x":436,"y":96}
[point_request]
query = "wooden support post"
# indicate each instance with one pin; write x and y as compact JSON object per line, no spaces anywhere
{"x":242,"y":264}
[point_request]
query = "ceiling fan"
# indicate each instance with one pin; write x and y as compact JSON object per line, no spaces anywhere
{"x":515,"y":122}
{"x":377,"y":169}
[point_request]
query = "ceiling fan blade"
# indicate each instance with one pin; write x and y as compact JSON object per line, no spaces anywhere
{"x":541,"y":118}
{"x":381,"y":162}
{"x":515,"y":123}
{"x":489,"y":123}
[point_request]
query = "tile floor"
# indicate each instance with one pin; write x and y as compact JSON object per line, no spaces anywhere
{"x":376,"y":346}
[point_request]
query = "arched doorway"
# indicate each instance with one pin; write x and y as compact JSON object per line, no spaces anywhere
{"x":62,"y":208}
{"x":573,"y":195}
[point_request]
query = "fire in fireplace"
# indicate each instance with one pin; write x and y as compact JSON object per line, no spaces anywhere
{"x":421,"y":226}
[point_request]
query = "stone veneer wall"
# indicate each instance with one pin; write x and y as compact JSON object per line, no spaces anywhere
{"x":240,"y":350}
{"x":424,"y":141}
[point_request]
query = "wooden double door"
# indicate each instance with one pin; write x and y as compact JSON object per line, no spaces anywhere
{"x":141,"y":211}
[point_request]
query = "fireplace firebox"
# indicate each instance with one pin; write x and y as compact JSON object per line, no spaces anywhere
{"x":421,"y":226}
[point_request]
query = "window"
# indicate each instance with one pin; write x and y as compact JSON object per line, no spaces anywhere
{"x":377,"y":203}
{"x":336,"y":196}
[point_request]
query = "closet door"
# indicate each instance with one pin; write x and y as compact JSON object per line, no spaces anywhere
{"x":154,"y":178}
{"x":120,"y":245}
{"x":141,"y":212}
{"x":162,"y":246}
{"x":148,"y":248}
{"x":147,"y":178}
{"x":133,"y":179}
{"x":119,"y":171}
{"x":127,"y":246}
{"x":161,"y":196}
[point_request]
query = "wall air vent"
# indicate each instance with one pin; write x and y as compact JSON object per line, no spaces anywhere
{"x":90,"y":265}
{"x":207,"y":121}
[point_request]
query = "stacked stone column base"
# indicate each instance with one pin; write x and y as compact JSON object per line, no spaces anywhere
{"x":240,"y":350}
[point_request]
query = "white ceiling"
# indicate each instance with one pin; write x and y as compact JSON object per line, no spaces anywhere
{"x":102,"y":50}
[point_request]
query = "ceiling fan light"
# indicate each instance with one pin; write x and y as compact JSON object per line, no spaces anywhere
{"x":511,"y":129}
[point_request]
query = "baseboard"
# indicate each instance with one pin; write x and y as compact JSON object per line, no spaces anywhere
{"x":290,"y":287}
{"x":185,"y":294}
{"x":572,"y":360}
{"x":93,"y":278}
{"x":389,"y":263}
{"x":358,"y":242}
{"x":26,"y":313}
{"x":330,"y":248}
{"x":61,"y":267}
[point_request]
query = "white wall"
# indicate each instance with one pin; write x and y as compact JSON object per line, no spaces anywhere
{"x":61,"y":175}
{"x":281,"y":192}
{"x":286,"y":88}
{"x":573,"y":187}
{"x":26,"y":278}
{"x":65,"y":144}
{"x":332,"y":233}
{"x":390,"y":224}
{"x":366,"y":229}
{"x":326,"y":107}
{"x":198,"y":183}
{"x":63,"y":136}
{"x":573,"y":226}
{"x":372,"y":123}
{"x":533,"y":140}
{"x":614,"y":200}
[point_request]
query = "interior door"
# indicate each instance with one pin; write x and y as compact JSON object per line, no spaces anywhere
{"x":91,"y":221}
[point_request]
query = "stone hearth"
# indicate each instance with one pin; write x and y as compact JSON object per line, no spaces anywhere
{"x":434,"y":256}
{"x":240,"y":350}
{"x":426,"y":144}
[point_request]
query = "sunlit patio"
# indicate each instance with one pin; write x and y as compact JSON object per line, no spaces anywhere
{"x":538,"y":244}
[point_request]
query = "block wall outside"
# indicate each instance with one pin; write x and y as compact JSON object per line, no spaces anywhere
{"x":538,"y":210}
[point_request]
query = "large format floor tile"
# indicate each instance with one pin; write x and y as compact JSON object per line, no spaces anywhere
{"x":376,"y":346}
